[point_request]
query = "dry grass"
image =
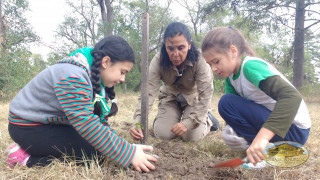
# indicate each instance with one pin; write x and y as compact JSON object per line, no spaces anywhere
{"x":212,"y":147}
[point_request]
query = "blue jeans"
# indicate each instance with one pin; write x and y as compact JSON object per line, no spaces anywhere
{"x":247,"y":117}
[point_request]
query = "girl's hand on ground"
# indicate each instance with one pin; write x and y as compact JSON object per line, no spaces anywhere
{"x":136,"y":133}
{"x":179,"y":129}
{"x":255,"y":150}
{"x":141,"y":160}
{"x":260,"y":142}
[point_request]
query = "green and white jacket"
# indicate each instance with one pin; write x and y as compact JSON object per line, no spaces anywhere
{"x":262,"y":83}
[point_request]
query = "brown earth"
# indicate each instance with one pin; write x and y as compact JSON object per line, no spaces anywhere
{"x":177,"y":162}
{"x":181,"y":160}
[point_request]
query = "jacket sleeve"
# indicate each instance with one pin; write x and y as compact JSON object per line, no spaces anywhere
{"x":154,"y":79}
{"x":288,"y":102}
{"x":73,"y":94}
{"x":105,"y":122}
{"x":204,"y":81}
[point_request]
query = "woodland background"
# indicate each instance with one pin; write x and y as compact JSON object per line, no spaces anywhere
{"x":283,"y":32}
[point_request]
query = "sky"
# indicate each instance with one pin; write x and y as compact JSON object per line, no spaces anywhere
{"x":45,"y":16}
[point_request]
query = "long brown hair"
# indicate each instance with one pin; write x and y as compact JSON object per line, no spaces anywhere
{"x":221,"y":38}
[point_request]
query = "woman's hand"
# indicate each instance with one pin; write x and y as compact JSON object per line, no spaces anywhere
{"x":141,"y":160}
{"x":136,"y":133}
{"x":179,"y":129}
{"x":260,"y":142}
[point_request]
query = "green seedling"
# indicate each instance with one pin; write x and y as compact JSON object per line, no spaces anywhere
{"x":138,"y":125}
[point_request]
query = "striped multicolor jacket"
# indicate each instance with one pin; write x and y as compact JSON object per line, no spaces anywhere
{"x":62,"y":94}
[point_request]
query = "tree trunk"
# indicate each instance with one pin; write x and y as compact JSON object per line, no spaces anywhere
{"x":298,"y":58}
{"x":107,"y":15}
{"x":103,"y":16}
{"x":124,"y":87}
{"x":138,"y":87}
{"x":2,"y":27}
{"x":108,"y":4}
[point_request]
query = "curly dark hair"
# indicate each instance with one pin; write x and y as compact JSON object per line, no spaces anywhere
{"x":118,"y":50}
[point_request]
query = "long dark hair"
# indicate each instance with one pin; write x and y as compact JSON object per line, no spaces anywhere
{"x":118,"y":50}
{"x":177,"y":29}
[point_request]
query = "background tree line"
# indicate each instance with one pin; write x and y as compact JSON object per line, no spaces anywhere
{"x":284,"y":32}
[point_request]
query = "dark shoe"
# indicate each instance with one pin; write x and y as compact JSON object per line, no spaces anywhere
{"x":215,"y":123}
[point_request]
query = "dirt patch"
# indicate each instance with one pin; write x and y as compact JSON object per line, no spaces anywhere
{"x":192,"y":161}
{"x":178,"y":162}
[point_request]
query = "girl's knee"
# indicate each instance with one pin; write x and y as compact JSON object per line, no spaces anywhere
{"x":225,"y":103}
{"x":225,"y":100}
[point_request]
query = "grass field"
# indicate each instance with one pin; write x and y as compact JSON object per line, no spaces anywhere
{"x":212,"y":147}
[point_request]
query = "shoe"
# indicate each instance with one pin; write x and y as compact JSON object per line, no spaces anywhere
{"x":259,"y":165}
{"x":16,"y":155}
{"x":233,"y":140}
{"x":215,"y":123}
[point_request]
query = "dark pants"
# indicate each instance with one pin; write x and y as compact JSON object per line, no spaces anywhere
{"x":247,"y":117}
{"x":49,"y":141}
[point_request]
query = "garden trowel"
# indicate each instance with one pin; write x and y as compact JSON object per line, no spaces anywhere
{"x":231,"y":163}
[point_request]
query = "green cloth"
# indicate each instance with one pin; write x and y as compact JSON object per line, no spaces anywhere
{"x":256,"y":71}
{"x":86,"y":51}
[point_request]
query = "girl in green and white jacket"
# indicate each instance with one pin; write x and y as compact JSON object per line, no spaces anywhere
{"x":260,"y":104}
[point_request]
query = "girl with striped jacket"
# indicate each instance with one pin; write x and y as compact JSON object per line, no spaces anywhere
{"x":64,"y":110}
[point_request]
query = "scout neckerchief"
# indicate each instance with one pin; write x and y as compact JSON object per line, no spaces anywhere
{"x":102,"y":98}
{"x":104,"y":101}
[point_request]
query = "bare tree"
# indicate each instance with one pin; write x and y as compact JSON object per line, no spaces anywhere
{"x":107,"y":15}
{"x":298,"y":44}
{"x":2,"y":26}
{"x":194,"y":14}
{"x":80,"y":27}
{"x":279,"y":13}
{"x":158,"y":38}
